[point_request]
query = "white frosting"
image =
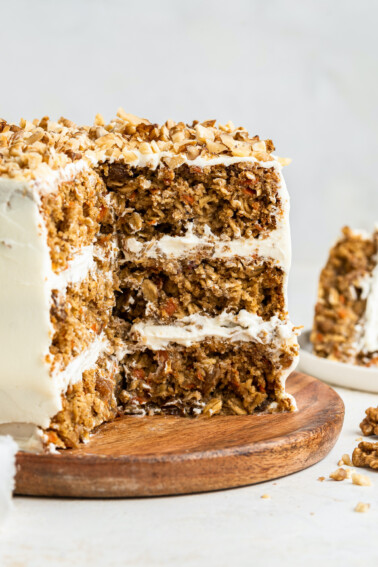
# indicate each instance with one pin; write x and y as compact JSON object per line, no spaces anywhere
{"x":77,"y":270}
{"x":28,"y":393}
{"x":275,"y":247}
{"x":82,"y":362}
{"x":243,"y":326}
{"x":369,"y":337}
{"x":47,"y":179}
{"x":8,"y":449}
{"x":153,"y":160}
{"x":27,"y":436}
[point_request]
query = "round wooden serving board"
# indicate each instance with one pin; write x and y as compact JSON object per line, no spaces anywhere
{"x":150,"y":456}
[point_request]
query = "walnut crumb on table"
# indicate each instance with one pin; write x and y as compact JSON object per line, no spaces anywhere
{"x":339,"y":474}
{"x":361,"y":479}
{"x":265,"y":496}
{"x":362,"y":507}
{"x":345,"y":460}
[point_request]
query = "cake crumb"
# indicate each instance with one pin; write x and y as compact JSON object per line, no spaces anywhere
{"x":345,"y":460}
{"x":265,"y":496}
{"x":362,"y":507}
{"x":359,"y":439}
{"x":339,"y":474}
{"x":361,"y":479}
{"x":321,"y":478}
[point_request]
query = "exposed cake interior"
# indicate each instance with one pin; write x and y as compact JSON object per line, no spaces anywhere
{"x":162,"y":275}
{"x":345,"y":323}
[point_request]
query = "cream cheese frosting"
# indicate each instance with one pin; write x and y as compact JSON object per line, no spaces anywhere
{"x":369,"y":337}
{"x":28,"y":392}
{"x":243,"y":326}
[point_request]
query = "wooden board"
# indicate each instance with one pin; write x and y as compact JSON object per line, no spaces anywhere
{"x":151,"y":456}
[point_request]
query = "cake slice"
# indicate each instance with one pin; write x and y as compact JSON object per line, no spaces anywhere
{"x":346,"y":314}
{"x":143,"y":269}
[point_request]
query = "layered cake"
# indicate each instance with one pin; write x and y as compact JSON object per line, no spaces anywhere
{"x":143,"y":270}
{"x":346,"y":314}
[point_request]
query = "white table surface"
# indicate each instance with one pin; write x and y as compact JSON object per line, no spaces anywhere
{"x":305,"y":521}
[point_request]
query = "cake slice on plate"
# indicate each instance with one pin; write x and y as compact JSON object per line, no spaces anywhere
{"x":346,"y":314}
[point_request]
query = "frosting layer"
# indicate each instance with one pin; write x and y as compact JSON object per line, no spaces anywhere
{"x":244,"y":326}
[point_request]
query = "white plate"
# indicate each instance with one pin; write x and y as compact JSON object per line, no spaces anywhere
{"x":336,"y":373}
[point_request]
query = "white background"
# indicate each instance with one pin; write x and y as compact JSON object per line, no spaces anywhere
{"x":302,"y":72}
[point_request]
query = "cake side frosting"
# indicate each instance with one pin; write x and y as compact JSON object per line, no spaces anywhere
{"x":30,"y":387}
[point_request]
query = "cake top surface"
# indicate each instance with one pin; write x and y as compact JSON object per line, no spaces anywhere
{"x":31,"y":150}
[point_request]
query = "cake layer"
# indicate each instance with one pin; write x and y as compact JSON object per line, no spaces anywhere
{"x":238,"y":200}
{"x":213,"y":376}
{"x":79,"y":315}
{"x":90,"y":401}
{"x":208,"y":286}
{"x":72,"y":214}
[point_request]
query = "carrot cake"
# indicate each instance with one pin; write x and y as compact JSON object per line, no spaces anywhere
{"x":346,"y":314}
{"x":143,"y":270}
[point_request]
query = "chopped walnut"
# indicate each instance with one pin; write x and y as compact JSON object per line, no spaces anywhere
{"x":150,"y":290}
{"x":339,"y":474}
{"x":369,"y":425}
{"x":213,"y":407}
{"x":265,"y":496}
{"x":366,"y":455}
{"x":28,"y":148}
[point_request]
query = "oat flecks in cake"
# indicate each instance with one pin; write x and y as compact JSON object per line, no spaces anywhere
{"x":171,"y":292}
{"x":112,"y":189}
{"x":234,"y":201}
